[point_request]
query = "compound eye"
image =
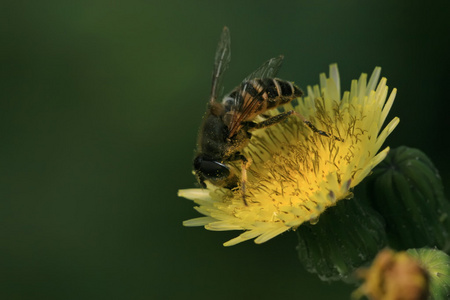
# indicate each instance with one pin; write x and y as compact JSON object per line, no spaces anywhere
{"x":211,"y":169}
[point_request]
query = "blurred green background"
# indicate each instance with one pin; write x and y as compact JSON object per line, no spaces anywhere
{"x":100,"y":106}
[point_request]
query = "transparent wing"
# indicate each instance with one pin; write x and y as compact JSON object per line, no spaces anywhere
{"x":269,"y":69}
{"x":221,"y":61}
{"x":245,"y":103}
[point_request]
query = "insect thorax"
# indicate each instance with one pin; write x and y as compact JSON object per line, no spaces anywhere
{"x":212,"y":138}
{"x":214,"y":141}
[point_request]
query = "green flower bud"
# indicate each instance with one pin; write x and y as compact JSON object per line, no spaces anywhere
{"x":437,"y":265}
{"x":345,"y":237}
{"x":407,"y":191}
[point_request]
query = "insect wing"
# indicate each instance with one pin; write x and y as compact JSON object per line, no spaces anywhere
{"x":269,"y":69}
{"x":221,"y":62}
{"x":245,"y":101}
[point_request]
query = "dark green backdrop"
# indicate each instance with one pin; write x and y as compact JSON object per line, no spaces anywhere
{"x":99,"y":110}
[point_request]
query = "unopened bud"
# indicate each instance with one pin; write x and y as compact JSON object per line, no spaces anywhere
{"x":407,"y":191}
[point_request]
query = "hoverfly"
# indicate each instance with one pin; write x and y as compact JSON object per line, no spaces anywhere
{"x":227,"y":125}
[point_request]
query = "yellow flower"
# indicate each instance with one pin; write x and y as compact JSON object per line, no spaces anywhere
{"x":296,"y":174}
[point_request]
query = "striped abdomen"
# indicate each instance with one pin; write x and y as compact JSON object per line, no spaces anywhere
{"x":260,"y":95}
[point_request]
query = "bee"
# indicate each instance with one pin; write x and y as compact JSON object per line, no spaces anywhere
{"x":228,"y":125}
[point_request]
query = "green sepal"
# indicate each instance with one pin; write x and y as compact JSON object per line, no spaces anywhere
{"x":346,"y":237}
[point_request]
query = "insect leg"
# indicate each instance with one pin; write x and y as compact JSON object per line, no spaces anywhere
{"x":245,"y":163}
{"x":314,"y":128}
{"x":271,"y":121}
{"x":283,"y":116}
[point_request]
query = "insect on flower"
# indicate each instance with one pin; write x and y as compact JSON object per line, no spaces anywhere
{"x":227,"y":126}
